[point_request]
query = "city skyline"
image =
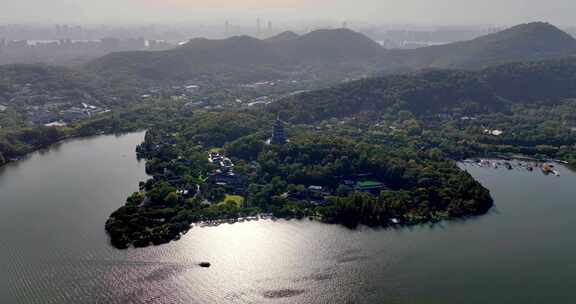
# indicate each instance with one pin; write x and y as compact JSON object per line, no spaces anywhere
{"x":372,"y":11}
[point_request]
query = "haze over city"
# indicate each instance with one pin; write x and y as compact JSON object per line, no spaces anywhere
{"x":287,"y":151}
{"x":379,"y":11}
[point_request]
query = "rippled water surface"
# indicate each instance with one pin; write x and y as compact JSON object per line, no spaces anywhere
{"x":53,"y":248}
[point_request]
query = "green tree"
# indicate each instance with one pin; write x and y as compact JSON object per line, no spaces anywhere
{"x":172,"y":199}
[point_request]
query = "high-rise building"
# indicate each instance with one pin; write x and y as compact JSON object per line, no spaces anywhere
{"x":227,"y":29}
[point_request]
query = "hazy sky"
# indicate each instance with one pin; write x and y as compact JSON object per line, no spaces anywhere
{"x":382,"y":11}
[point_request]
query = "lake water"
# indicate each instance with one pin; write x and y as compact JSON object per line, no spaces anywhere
{"x":53,"y":247}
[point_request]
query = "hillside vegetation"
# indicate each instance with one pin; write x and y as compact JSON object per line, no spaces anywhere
{"x":429,"y":92}
{"x":243,"y":58}
{"x":524,"y":42}
{"x":326,"y":52}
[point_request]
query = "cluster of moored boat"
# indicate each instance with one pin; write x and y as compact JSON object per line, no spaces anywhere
{"x":215,"y":223}
{"x":546,"y":168}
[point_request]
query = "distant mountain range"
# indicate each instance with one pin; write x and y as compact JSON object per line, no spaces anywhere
{"x":244,"y":58}
{"x":484,"y":74}
{"x":436,"y":91}
{"x":524,"y":42}
{"x":284,"y":36}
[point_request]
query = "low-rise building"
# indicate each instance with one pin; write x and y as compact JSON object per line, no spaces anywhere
{"x":369,"y":187}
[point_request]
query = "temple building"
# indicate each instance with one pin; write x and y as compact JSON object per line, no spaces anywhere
{"x":278,"y":135}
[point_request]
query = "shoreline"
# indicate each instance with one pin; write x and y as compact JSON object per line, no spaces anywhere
{"x":60,"y":141}
{"x":514,"y":163}
{"x":393,"y":224}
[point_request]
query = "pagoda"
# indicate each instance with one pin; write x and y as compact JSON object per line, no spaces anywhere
{"x":278,"y":135}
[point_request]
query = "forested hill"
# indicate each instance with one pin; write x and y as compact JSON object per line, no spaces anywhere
{"x":325,"y":52}
{"x":49,"y":76}
{"x":40,"y":83}
{"x":284,"y":36}
{"x":243,"y":58}
{"x":330,"y":46}
{"x":438,"y":91}
{"x":524,"y":42}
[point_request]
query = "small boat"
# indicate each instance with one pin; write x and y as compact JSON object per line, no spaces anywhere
{"x":205,"y":264}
